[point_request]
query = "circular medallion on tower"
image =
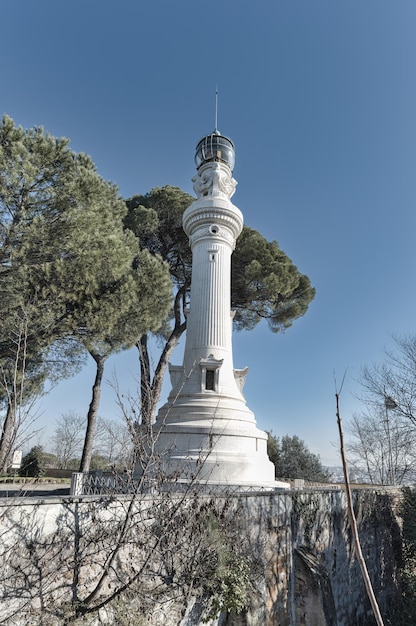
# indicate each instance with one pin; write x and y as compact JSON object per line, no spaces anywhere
{"x":215,"y":147}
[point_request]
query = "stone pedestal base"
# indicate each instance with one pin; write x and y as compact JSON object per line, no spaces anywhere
{"x":232,"y":453}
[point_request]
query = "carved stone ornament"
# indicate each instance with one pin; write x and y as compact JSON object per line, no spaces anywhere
{"x":214,"y":181}
{"x":240,"y":377}
{"x":206,"y":231}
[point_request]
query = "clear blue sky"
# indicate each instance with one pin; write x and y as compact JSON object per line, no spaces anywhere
{"x":319,"y":97}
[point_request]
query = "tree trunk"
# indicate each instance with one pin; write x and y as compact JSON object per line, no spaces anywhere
{"x":151,"y":389}
{"x":353,"y":525}
{"x":6,"y":440}
{"x":92,"y":413}
{"x":145,"y":381}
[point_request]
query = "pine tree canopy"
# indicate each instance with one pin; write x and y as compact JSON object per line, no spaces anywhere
{"x":68,"y":267}
{"x":265,"y":284}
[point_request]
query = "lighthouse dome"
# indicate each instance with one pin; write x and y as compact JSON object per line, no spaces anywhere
{"x":215,"y":147}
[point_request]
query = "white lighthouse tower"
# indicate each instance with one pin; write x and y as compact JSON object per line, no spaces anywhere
{"x":205,"y":429}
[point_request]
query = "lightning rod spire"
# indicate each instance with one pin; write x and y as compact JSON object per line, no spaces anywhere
{"x":216,"y":108}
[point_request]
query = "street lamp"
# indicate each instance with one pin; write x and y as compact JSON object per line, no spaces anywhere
{"x":389,"y":405}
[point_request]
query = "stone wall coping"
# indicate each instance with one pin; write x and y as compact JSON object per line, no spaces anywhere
{"x":37,"y":501}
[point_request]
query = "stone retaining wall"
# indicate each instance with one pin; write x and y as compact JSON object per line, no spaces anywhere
{"x":307,"y":574}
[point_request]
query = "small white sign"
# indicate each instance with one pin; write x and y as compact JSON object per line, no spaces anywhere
{"x":17,"y":459}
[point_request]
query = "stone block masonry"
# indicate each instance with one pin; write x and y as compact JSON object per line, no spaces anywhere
{"x":304,"y":571}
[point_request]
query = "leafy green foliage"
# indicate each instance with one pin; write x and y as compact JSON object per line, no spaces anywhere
{"x":266,"y":285}
{"x":57,"y":216}
{"x":228,"y":572}
{"x":229,"y":583}
{"x":64,"y":252}
{"x":273,"y":449}
{"x":68,"y":266}
{"x":292,"y":459}
{"x":99,"y":462}
{"x":49,"y":460}
{"x":122,"y":314}
{"x":156,"y":219}
{"x":33,"y":463}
